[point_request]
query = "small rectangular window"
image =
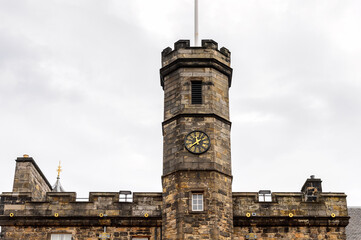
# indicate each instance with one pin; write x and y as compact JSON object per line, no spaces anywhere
{"x":61,"y":237}
{"x":311,"y":194}
{"x":265,"y":196}
{"x":197,"y":202}
{"x":197,"y":92}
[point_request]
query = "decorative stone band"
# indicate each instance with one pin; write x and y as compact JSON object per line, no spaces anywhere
{"x":81,"y":221}
{"x":286,"y":221}
{"x":214,"y":169}
{"x":196,"y":63}
{"x":212,"y":115}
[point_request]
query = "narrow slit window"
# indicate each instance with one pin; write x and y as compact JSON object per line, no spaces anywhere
{"x":197,"y":92}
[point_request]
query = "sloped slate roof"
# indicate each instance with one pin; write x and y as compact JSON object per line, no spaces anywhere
{"x":353,"y":229}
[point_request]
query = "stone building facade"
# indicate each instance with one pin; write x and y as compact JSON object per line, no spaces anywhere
{"x":197,"y":201}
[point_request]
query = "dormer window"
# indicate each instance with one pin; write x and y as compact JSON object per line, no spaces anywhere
{"x":311,"y":194}
{"x":197,"y":92}
{"x":265,"y":196}
{"x":61,"y":237}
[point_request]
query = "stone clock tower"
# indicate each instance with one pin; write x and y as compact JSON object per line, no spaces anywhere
{"x":197,"y":202}
{"x":197,"y":177}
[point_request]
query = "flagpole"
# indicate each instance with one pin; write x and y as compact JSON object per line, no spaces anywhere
{"x":196,"y":23}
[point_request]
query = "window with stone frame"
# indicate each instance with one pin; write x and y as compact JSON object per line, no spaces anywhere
{"x":197,"y":97}
{"x":197,"y":202}
{"x":61,"y":237}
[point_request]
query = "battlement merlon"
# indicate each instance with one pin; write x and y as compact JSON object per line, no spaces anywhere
{"x":29,"y":178}
{"x":185,"y":56}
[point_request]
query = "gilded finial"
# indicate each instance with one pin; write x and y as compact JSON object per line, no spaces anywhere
{"x":59,"y":170}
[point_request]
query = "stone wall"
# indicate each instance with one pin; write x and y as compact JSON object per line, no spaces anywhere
{"x":176,"y":157}
{"x":186,"y":64}
{"x":29,"y":178}
{"x":290,"y":216}
{"x":143,"y":217}
{"x":290,"y":232}
{"x":181,"y":66}
{"x":61,"y":213}
{"x":177,"y":92}
{"x":89,"y":233}
{"x":65,"y":205}
{"x":180,"y":222}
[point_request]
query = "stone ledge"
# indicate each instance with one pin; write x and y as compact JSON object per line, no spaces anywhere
{"x":197,"y":115}
{"x":16,"y":194}
{"x":179,"y":170}
{"x":277,"y":221}
{"x":81,"y":221}
{"x":147,"y":194}
{"x":287,"y":194}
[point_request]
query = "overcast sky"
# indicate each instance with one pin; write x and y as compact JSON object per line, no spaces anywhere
{"x":79,"y":83}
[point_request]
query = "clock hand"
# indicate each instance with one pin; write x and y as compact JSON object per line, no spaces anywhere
{"x":196,"y":142}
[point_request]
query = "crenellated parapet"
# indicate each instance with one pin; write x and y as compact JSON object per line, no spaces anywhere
{"x":284,"y":203}
{"x":206,"y":56}
{"x":289,"y":215}
{"x":62,"y":208}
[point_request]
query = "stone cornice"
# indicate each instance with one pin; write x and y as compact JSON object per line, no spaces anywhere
{"x":86,"y":221}
{"x":213,"y":115}
{"x":277,"y":221}
{"x":197,"y":170}
{"x":196,"y":63}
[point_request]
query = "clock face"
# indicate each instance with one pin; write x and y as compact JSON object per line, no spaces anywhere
{"x":197,"y":142}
